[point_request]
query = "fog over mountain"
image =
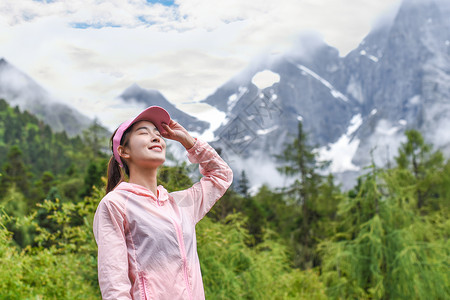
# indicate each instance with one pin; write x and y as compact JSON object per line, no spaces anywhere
{"x":18,"y":89}
{"x":353,"y":108}
{"x":153,"y":97}
{"x":398,"y":78}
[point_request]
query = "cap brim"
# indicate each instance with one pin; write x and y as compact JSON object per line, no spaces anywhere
{"x":155,"y":114}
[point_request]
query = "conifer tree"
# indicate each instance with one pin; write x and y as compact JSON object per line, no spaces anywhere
{"x":95,"y":139}
{"x":15,"y":172}
{"x":243,"y":184}
{"x":301,"y":163}
{"x":417,"y":157}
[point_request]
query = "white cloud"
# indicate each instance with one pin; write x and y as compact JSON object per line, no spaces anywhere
{"x":186,"y":50}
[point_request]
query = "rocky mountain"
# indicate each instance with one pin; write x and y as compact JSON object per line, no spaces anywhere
{"x":18,"y":89}
{"x":397,"y":78}
{"x":353,"y":108}
{"x":407,"y":85}
{"x":151,"y":97}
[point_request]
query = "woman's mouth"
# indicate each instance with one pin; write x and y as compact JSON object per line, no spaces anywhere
{"x":156,"y":148}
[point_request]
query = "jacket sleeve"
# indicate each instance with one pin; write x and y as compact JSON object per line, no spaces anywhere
{"x":109,"y":232}
{"x":217,"y":178}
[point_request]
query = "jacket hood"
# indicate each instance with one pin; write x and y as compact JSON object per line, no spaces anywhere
{"x":137,"y":189}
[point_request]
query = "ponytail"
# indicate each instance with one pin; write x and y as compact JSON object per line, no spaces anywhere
{"x":115,"y":173}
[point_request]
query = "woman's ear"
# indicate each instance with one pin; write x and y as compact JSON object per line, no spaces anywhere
{"x":123,"y":153}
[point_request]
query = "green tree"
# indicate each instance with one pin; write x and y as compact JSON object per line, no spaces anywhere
{"x":43,"y":185}
{"x":15,"y":172}
{"x":233,"y":270}
{"x":174,"y":178}
{"x":93,"y":177}
{"x":417,"y":157}
{"x":95,"y":139}
{"x":14,"y":204}
{"x":301,"y":163}
{"x":243,"y":185}
{"x":384,"y":249}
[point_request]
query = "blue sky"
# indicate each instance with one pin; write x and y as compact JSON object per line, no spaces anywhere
{"x":86,"y":52}
{"x":163,"y":2}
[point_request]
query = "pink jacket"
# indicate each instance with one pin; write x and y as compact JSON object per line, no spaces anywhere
{"x":147,"y":247}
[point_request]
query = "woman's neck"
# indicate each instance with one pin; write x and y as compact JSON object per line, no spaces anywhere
{"x":146,"y":178}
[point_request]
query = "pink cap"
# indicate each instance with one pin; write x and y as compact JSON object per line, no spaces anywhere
{"x":155,"y":114}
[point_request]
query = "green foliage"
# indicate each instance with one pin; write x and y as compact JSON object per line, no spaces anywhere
{"x":385,"y":239}
{"x":384,"y":248}
{"x":423,"y":165}
{"x":14,"y":172}
{"x":46,"y":273}
{"x":14,"y":206}
{"x":310,"y":191}
{"x":174,"y":178}
{"x":93,"y":176}
{"x":243,"y":272}
{"x":29,"y":148}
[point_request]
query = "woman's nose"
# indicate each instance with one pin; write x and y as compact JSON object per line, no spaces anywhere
{"x":156,"y":138}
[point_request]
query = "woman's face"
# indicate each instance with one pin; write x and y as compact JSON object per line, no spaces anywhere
{"x":145,"y":146}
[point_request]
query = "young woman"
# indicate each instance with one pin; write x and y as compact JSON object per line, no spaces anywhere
{"x":145,"y":235}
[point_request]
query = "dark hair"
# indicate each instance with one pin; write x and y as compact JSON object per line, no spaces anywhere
{"x":115,"y":173}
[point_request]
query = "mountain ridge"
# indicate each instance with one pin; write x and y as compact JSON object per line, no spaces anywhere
{"x":396,"y":79}
{"x":150,"y":97}
{"x":19,"y":89}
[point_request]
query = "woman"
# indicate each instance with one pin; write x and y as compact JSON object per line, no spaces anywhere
{"x":146,"y":236}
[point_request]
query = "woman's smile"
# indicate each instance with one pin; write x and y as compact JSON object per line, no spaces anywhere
{"x":157,"y":148}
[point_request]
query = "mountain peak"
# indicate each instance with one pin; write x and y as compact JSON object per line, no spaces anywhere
{"x":150,"y":97}
{"x":19,"y":89}
{"x":349,"y":106}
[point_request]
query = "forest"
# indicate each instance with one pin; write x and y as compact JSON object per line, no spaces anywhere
{"x":386,"y":238}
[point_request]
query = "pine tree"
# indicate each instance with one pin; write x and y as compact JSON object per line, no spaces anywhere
{"x":94,"y":139}
{"x":243,"y":185}
{"x":15,"y":172}
{"x":93,"y":177}
{"x":301,"y":163}
{"x":417,"y":157}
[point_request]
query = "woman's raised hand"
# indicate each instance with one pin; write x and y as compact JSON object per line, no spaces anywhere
{"x":174,"y":131}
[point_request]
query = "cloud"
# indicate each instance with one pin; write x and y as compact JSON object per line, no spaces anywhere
{"x":88,"y":13}
{"x":86,"y":52}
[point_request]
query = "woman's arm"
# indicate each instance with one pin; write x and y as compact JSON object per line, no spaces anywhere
{"x":109,"y":231}
{"x":217,"y":178}
{"x":217,"y":175}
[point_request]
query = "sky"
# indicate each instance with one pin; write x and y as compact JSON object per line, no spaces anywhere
{"x":87,"y":52}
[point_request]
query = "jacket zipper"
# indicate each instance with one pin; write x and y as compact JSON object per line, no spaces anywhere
{"x":142,"y":279}
{"x":183,"y":256}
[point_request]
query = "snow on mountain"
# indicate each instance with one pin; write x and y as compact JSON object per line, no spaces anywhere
{"x":354,"y":108}
{"x":333,"y":91}
{"x":234,"y":98}
{"x":371,"y":57}
{"x":341,"y":152}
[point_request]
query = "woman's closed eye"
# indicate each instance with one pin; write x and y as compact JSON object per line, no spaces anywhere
{"x":145,"y":131}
